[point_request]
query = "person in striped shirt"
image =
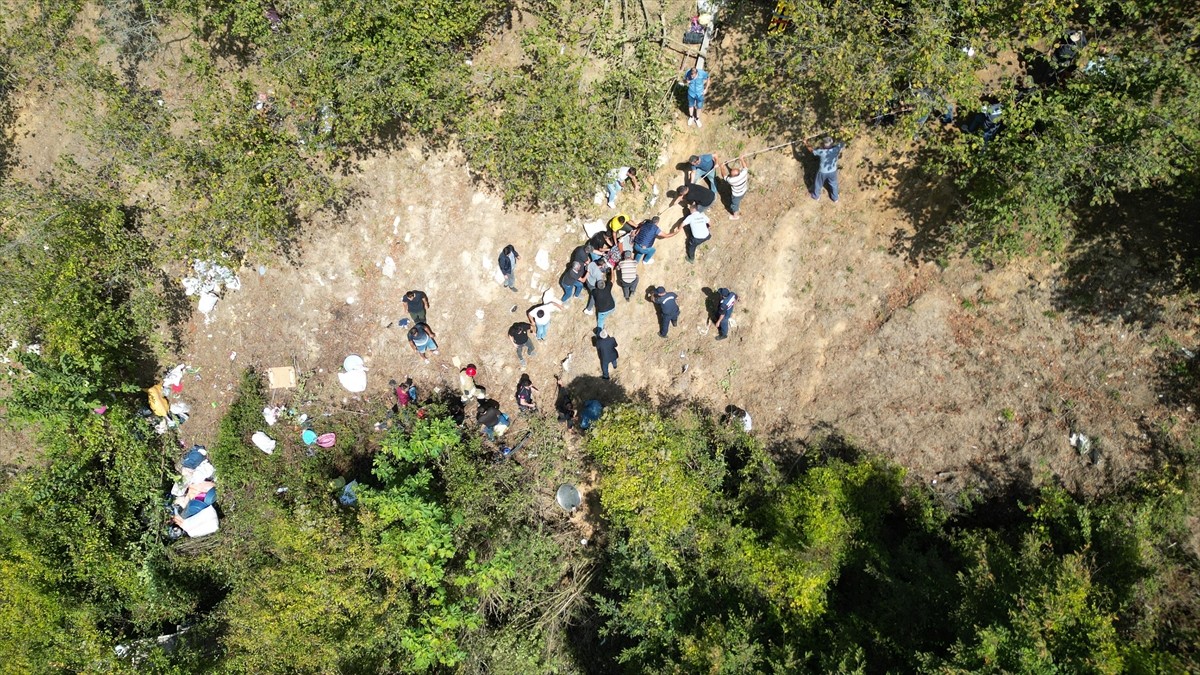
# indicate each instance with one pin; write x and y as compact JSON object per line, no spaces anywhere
{"x":627,"y":274}
{"x":738,"y":179}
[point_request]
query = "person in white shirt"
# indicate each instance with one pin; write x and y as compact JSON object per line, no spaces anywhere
{"x":540,"y":317}
{"x":738,"y":179}
{"x":695,"y":225}
{"x":616,"y":182}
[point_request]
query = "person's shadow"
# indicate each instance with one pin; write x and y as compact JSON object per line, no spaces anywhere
{"x":808,"y":164}
{"x":712,"y":304}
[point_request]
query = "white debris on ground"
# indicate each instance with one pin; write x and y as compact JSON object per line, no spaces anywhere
{"x":542,"y":259}
{"x":208,"y":280}
{"x":389,"y":267}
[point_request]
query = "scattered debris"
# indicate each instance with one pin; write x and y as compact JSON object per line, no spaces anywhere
{"x":353,"y":374}
{"x":282,"y":377}
{"x":263,"y":442}
{"x":207,"y":282}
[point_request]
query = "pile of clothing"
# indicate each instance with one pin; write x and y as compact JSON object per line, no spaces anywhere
{"x":192,"y":508}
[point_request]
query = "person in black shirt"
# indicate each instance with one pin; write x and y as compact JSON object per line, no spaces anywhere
{"x":606,"y":349}
{"x":525,"y":394}
{"x":605,"y":304}
{"x":417,"y":304}
{"x":519,"y":334}
{"x":694,"y":197}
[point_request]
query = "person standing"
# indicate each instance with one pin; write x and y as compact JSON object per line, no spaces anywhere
{"x":724,"y":311}
{"x":539,"y":316}
{"x":508,"y":267}
{"x":525,"y":394}
{"x":421,"y":339}
{"x":597,"y":271}
{"x":466,"y":383}
{"x":827,"y":173}
{"x":668,"y":310}
{"x":417,"y":304}
{"x":694,"y":197}
{"x":696,"y":227}
{"x":702,"y":167}
{"x":643,"y":240}
{"x":606,"y":349}
{"x":697,"y":82}
{"x":627,"y":274}
{"x":738,"y":179}
{"x":616,"y":182}
{"x":605,"y":304}
{"x":519,"y":334}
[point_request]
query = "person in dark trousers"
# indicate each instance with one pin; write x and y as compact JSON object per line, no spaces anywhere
{"x":417,"y":304}
{"x":627,"y":274}
{"x":597,"y":271}
{"x":606,"y":349}
{"x":564,"y":406}
{"x":696,"y":227}
{"x":1066,"y":55}
{"x":827,"y":172}
{"x":508,"y":267}
{"x":694,"y":197}
{"x":525,"y":394}
{"x":724,"y":311}
{"x":668,"y":310}
{"x":519,"y":334}
{"x":605,"y":304}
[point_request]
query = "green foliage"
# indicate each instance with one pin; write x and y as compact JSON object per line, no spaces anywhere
{"x":547,"y":134}
{"x":236,"y":182}
{"x":80,"y":556}
{"x":346,"y":70}
{"x":75,"y":276}
{"x":660,"y":480}
{"x":1079,"y":140}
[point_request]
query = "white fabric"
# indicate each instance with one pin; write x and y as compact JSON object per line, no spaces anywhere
{"x":354,"y":381}
{"x":201,"y":524}
{"x":263,"y":442}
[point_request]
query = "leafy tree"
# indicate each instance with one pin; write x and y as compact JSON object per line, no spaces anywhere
{"x":1072,"y":137}
{"x":346,"y":70}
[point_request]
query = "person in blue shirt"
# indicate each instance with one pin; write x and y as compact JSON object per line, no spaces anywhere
{"x":697,"y":86}
{"x":827,"y":173}
{"x":724,"y":311}
{"x":703,"y":167}
{"x":643,"y":240}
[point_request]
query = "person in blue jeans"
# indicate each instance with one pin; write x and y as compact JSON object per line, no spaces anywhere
{"x":697,"y":81}
{"x":572,"y":280}
{"x":643,"y":240}
{"x":703,"y":167}
{"x":827,"y":173}
{"x":724,"y":311}
{"x":605,"y":304}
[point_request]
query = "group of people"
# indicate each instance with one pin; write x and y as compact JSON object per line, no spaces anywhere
{"x":611,"y":258}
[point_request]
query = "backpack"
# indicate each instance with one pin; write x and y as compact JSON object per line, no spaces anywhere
{"x":524,"y":393}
